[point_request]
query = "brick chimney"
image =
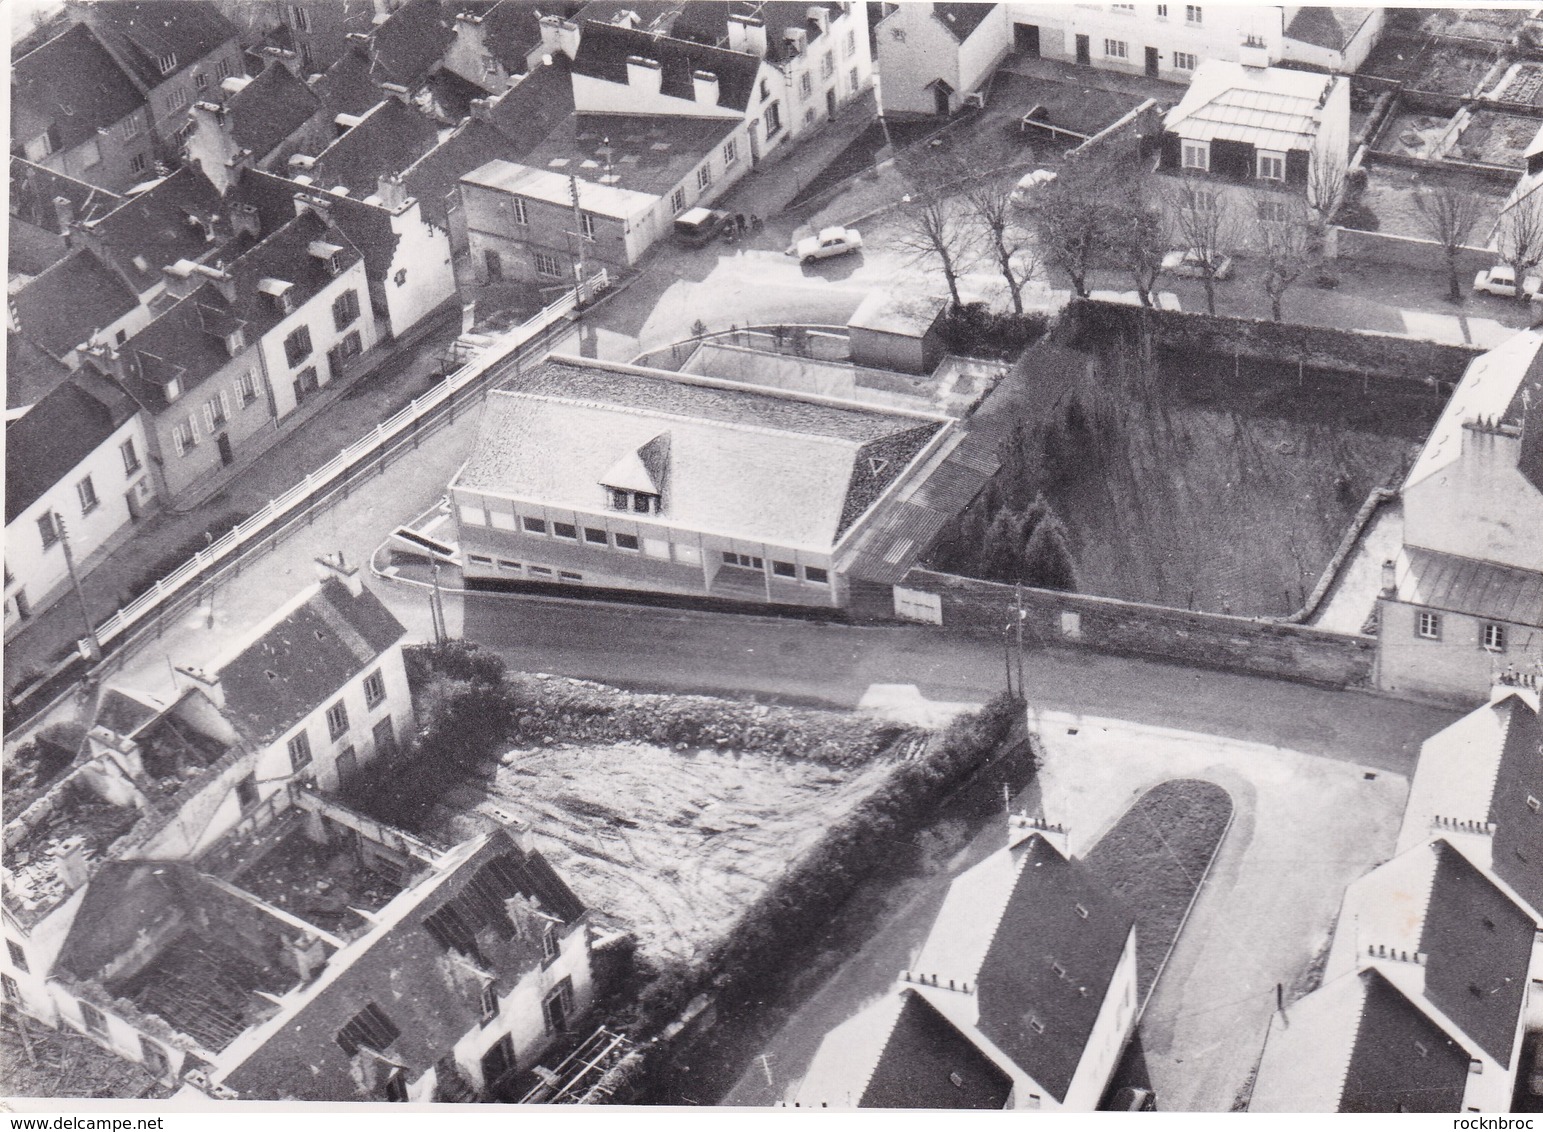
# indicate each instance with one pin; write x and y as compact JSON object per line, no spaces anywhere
{"x":481,"y":109}
{"x":189,"y":676}
{"x":1021,"y":827}
{"x":644,"y":75}
{"x":333,"y":566}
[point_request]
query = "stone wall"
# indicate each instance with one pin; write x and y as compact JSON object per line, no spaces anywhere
{"x":1352,"y":351}
{"x":1208,"y":640}
{"x":1406,"y":251}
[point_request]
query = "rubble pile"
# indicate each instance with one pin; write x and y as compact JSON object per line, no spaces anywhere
{"x":36,"y":1061}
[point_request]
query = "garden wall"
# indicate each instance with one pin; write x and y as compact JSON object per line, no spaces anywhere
{"x":1207,"y":640}
{"x":1500,"y":175}
{"x":1407,"y":251}
{"x":1355,"y":351}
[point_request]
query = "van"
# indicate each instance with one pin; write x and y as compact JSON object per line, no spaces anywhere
{"x":698,"y":226}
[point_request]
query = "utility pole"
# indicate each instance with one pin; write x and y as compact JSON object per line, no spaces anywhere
{"x":1007,"y":656}
{"x":437,"y":609}
{"x":1022,"y":616}
{"x":578,"y":232}
{"x":80,"y":596}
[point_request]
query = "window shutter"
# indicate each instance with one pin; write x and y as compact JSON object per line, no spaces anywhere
{"x":209,"y":415}
{"x":193,"y":427}
{"x":224,"y":404}
{"x":177,"y":441}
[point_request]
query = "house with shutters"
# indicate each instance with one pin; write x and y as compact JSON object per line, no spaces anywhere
{"x":601,"y":477}
{"x":1022,"y":996}
{"x":76,"y":111}
{"x":1462,"y":602}
{"x":1262,"y":132}
{"x":1435,"y":973}
{"x":247,"y":352}
{"x":76,"y":472}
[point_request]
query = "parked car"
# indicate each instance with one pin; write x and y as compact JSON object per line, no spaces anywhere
{"x":1189,"y":263}
{"x":1134,"y":1099}
{"x":831,"y":241}
{"x":1501,"y":280}
{"x":698,"y":226}
{"x":1028,"y":183}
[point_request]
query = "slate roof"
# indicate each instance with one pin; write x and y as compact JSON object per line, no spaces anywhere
{"x":1330,"y":27}
{"x":160,"y":226}
{"x":1019,"y":985}
{"x":707,"y":21}
{"x":30,"y":374}
{"x":61,"y":308}
{"x":511,"y":30}
{"x":70,"y":83}
{"x":390,"y":138}
{"x":34,"y":189}
{"x":410,"y":43}
{"x":1518,"y":837}
{"x":299,"y":663}
{"x":531,"y":109}
{"x":1270,"y":108}
{"x":141,"y":31}
{"x":367,"y":226}
{"x":743,"y":461}
{"x":428,"y":997}
{"x":54,"y":436}
{"x":347,"y":86}
{"x":604,"y":48}
{"x":31,"y":250}
{"x":924,"y":1055}
{"x":961,"y":20}
{"x":437,"y":173}
{"x":144,"y":894}
{"x":1479,"y":945}
{"x":1401,"y":1061}
{"x":1466,"y":585}
{"x":269,"y":109}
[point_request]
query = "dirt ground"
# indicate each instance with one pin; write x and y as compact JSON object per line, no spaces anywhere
{"x":1441,"y":67}
{"x":1495,"y":138}
{"x":671,"y":845}
{"x":1390,"y":196}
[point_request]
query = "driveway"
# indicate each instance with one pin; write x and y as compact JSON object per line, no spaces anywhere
{"x":1303,"y":827}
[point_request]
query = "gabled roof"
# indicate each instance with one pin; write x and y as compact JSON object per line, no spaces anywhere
{"x":63,"y":306}
{"x":367,"y":226}
{"x":961,"y":20}
{"x":1467,"y":585}
{"x":426,"y":994}
{"x":347,"y":86}
{"x":142,"y":33}
{"x":707,"y":21}
{"x":511,"y":30}
{"x":390,"y":138}
{"x":160,"y":226}
{"x":531,"y":109}
{"x":269,"y":109}
{"x":1045,"y":976}
{"x":1478,"y":945}
{"x":30,"y":374}
{"x":1518,"y":837}
{"x":928,"y":1063}
{"x":604,"y":48}
{"x":410,"y":43}
{"x":72,"y":86}
{"x":54,"y":436}
{"x":1456,"y":776}
{"x":34,"y":191}
{"x":1330,"y":27}
{"x":1268,"y":107}
{"x":743,"y":461}
{"x":300,"y":662}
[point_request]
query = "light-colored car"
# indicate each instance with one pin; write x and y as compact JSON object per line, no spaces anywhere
{"x":1026,"y":185}
{"x":1501,"y":280}
{"x":830,"y":242}
{"x":1191,"y":265}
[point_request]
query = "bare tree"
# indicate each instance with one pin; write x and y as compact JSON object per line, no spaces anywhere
{"x":935,"y":219}
{"x":1071,"y":217}
{"x":1207,"y":229}
{"x":1519,"y":239}
{"x":1327,"y":183}
{"x":1009,"y":240}
{"x":1287,"y":239}
{"x":1449,"y":215}
{"x":1138,"y":237}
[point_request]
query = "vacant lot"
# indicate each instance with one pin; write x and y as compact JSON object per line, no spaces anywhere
{"x":1439,"y":66}
{"x":669,"y":844}
{"x":1495,"y":138}
{"x":1390,"y":194}
{"x":1214,"y":484}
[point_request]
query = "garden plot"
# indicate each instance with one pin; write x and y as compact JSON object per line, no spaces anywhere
{"x":1429,"y":64}
{"x":669,"y":844}
{"x":1495,"y":138}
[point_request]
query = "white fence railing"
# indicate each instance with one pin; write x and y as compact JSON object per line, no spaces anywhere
{"x":299,"y":496}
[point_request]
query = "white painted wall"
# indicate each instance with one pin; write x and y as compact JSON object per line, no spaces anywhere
{"x":317,"y":314}
{"x":1219,"y":33}
{"x":1479,"y":505}
{"x":423,"y":263}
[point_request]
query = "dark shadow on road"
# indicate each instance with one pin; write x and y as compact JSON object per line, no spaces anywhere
{"x":836,"y":269}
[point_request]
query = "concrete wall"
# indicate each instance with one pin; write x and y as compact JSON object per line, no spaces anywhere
{"x":1206,"y":640}
{"x":1407,"y":251}
{"x":1456,"y":668}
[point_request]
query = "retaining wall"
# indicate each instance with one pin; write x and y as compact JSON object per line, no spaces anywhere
{"x":1355,"y":351}
{"x":1407,"y":251}
{"x":1207,"y":640}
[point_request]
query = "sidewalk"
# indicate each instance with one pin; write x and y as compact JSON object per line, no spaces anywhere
{"x":398,"y":377}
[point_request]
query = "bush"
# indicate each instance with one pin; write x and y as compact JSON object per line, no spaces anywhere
{"x":973,"y":329}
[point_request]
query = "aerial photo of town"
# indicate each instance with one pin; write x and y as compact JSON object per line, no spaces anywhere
{"x":780,"y":555}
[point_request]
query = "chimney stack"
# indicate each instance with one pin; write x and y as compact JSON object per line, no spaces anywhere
{"x":245,"y":221}
{"x":333,"y":566}
{"x":392,"y":193}
{"x":705,"y":86}
{"x":559,"y":36}
{"x":64,"y":211}
{"x":1389,"y":577}
{"x":73,"y":869}
{"x":644,"y":76}
{"x":747,"y":33}
{"x":481,"y":109}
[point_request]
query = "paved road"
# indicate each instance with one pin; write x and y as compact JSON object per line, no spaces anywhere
{"x":794,"y":659}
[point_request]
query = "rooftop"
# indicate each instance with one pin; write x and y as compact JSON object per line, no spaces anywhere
{"x":65,"y":305}
{"x":928,"y":1063}
{"x":554,"y":186}
{"x":55,"y":435}
{"x":1268,"y":107}
{"x":961,"y":20}
{"x":553,"y":432}
{"x":1518,"y":839}
{"x":390,"y":138}
{"x":408,"y":45}
{"x":707,"y":22}
{"x":605,"y":48}
{"x":890,"y":313}
{"x":70,"y":87}
{"x":35,"y":190}
{"x":145,"y":34}
{"x":1330,"y":27}
{"x":269,"y":109}
{"x":176,"y":219}
{"x":647,"y":155}
{"x":1467,"y":585}
{"x":313,"y":646}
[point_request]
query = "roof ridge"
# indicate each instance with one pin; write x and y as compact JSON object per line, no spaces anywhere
{"x":866,"y":1079}
{"x":339,"y":623}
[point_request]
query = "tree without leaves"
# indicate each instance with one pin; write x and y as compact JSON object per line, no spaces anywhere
{"x":1207,"y":228}
{"x":1327,"y":182}
{"x":1519,"y":239}
{"x":1449,"y":215}
{"x":1287,"y":240}
{"x":935,"y":220}
{"x":989,"y":199}
{"x":1138,"y":239}
{"x":1070,"y":217}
